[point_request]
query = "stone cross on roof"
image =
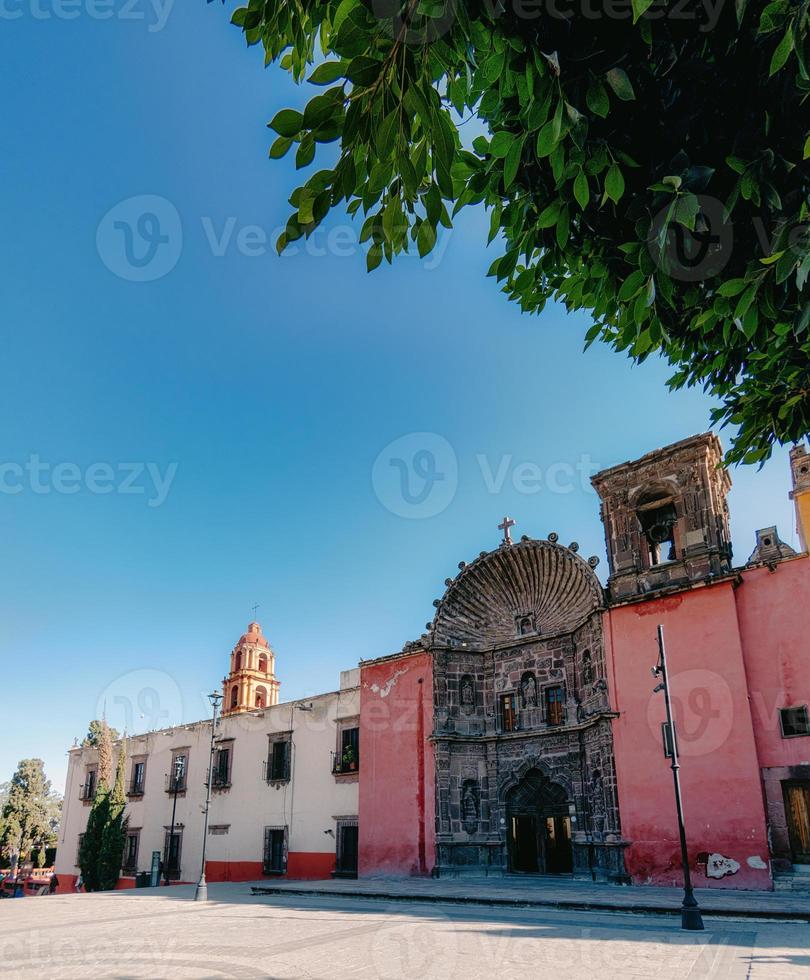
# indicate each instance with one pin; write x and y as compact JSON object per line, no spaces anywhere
{"x":507,"y":523}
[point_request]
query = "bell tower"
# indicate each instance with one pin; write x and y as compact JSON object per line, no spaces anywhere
{"x":251,"y":683}
{"x":666,"y":517}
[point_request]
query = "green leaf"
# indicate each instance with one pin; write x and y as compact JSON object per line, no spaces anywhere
{"x":731,"y":287}
{"x":280,"y":146}
{"x":363,"y":71}
{"x":582,"y":192}
{"x":782,"y":52}
{"x":305,"y":153}
{"x":806,"y":152}
{"x":374,"y":257}
{"x":597,"y":99}
{"x":640,"y":7}
{"x":512,"y":162}
{"x":617,"y":79}
{"x":614,"y":183}
{"x":328,"y":72}
{"x":548,"y":138}
{"x":426,"y":238}
{"x":501,"y":144}
{"x":548,"y":216}
{"x":563,"y":223}
{"x":288,"y":122}
{"x":631,"y":286}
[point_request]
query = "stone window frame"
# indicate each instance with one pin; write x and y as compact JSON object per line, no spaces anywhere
{"x":805,"y":721}
{"x":184,"y":751}
{"x":218,"y":784}
{"x":136,"y":833}
{"x":273,"y":739}
{"x":556,"y":685}
{"x":515,"y":713}
{"x":266,"y":831}
{"x":350,"y":723}
{"x":87,"y":796}
{"x":135,"y":761}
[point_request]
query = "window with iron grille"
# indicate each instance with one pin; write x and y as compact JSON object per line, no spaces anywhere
{"x":347,"y":759}
{"x":130,"y":862}
{"x":138,"y":778}
{"x":274,"y":858}
{"x":795,"y":721}
{"x":509,"y":713}
{"x":555,"y":705}
{"x":176,"y":777}
{"x":222,"y":767}
{"x":79,"y":850}
{"x":278,"y":760}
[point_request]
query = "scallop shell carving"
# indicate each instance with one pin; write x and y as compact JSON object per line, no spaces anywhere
{"x":480,"y":608}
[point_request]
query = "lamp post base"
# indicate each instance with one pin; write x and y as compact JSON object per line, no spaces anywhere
{"x":691,"y":919}
{"x":201,"y":893}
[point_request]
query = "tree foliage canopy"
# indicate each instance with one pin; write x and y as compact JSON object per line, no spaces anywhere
{"x":95,"y":733}
{"x":644,"y":160}
{"x":31,"y":811}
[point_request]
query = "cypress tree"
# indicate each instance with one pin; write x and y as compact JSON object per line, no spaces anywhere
{"x":113,"y":833}
{"x":99,"y":860}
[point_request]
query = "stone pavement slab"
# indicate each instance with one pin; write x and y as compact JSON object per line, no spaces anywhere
{"x":152,"y":934}
{"x":549,"y":892}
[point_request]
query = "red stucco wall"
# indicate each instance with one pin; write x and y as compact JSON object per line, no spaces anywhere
{"x":775,"y":627}
{"x":722,"y":790}
{"x":397,"y":784}
{"x":301,"y":865}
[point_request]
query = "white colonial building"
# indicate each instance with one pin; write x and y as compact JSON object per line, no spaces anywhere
{"x":284,"y":791}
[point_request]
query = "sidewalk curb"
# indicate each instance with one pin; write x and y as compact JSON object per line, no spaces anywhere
{"x":579,"y":905}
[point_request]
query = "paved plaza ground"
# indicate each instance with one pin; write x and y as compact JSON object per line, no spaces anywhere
{"x":164,"y":933}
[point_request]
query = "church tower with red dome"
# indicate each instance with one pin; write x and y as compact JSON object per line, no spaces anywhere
{"x":251,"y":683}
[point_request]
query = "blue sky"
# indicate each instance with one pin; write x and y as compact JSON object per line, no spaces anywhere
{"x":256,"y":391}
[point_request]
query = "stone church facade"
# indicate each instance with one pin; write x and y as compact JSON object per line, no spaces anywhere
{"x":542,"y":747}
{"x":525,"y":778}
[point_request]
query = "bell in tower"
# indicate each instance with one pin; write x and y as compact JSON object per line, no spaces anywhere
{"x":666,"y":517}
{"x":251,"y":684}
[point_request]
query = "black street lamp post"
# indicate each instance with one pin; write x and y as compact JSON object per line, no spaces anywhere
{"x":175,"y":778}
{"x":201,"y":894}
{"x":690,"y":911}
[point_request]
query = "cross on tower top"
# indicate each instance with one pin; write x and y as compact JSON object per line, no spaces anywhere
{"x":254,"y":607}
{"x":507,"y":523}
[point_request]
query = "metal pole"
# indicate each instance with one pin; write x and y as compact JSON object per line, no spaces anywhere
{"x":201,"y":893}
{"x":690,"y":911}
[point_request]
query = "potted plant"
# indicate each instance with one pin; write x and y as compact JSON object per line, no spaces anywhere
{"x":348,"y":760}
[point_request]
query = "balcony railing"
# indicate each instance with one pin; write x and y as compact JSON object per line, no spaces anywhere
{"x":135,"y":788}
{"x":176,"y":784}
{"x":342,"y":763}
{"x":87,"y":791}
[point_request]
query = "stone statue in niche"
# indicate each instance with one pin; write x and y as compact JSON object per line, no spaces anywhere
{"x":528,"y":691}
{"x":597,"y":802}
{"x":587,"y":669}
{"x":467,"y":695}
{"x":470,"y":806}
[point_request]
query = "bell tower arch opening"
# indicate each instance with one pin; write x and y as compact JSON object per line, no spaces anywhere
{"x":251,"y":684}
